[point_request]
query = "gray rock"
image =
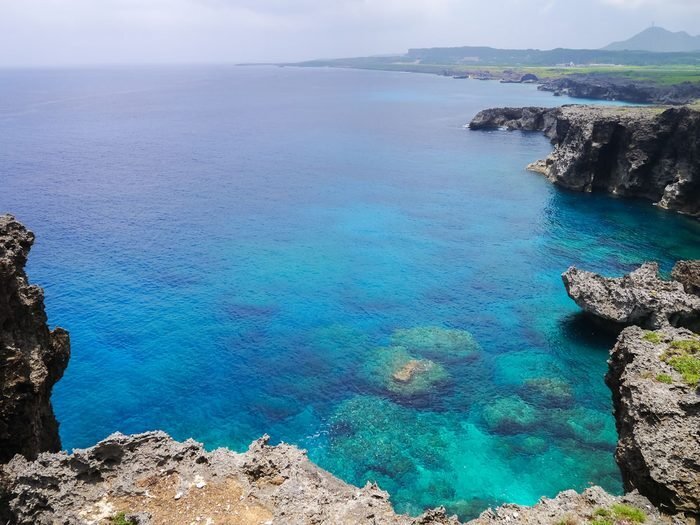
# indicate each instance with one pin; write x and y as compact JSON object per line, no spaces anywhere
{"x":688,"y":273}
{"x":570,"y":507}
{"x":644,"y":152}
{"x":155,"y":478}
{"x":640,"y":298}
{"x":32,"y":358}
{"x":658,"y":419}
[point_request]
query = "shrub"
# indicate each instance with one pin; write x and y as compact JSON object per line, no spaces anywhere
{"x":652,"y":337}
{"x":628,"y":513}
{"x":120,"y":519}
{"x":664,"y":378}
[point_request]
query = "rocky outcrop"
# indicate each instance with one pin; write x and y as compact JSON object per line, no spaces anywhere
{"x":644,"y":152}
{"x":608,"y":87}
{"x":657,"y":410}
{"x":32,"y":357}
{"x":570,"y":507}
{"x":688,"y":274}
{"x":152,"y":479}
{"x":640,"y":298}
{"x":156,"y":480}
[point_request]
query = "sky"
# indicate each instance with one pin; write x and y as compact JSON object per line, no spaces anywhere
{"x":85,"y":32}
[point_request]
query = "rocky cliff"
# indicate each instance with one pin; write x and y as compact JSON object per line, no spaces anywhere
{"x":32,"y":357}
{"x":644,"y":152}
{"x":657,"y":410}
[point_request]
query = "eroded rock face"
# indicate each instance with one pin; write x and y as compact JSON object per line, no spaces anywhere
{"x":32,"y":358}
{"x":164,"y":481}
{"x":688,"y":274}
{"x":645,"y":152}
{"x":570,"y":507}
{"x":658,"y":418}
{"x":640,"y":298}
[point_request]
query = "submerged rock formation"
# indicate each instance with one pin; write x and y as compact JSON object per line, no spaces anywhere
{"x":640,"y":298}
{"x":152,"y":479}
{"x":32,"y":357}
{"x":644,"y":152}
{"x":657,"y":410}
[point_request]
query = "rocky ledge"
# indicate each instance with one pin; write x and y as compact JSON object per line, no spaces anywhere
{"x":32,"y":358}
{"x":641,"y":298}
{"x":644,"y":152}
{"x":654,"y":378}
{"x":151,"y":479}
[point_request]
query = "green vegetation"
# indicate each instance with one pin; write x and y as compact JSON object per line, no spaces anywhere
{"x":618,"y":514}
{"x":664,"y":378}
{"x":120,"y":519}
{"x":652,"y":337}
{"x":568,"y":520}
{"x":684,"y":357}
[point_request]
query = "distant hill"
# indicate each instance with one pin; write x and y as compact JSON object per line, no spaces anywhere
{"x":659,"y":40}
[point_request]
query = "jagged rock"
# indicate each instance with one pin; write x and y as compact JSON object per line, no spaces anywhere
{"x":32,"y":358}
{"x":640,"y":298}
{"x":688,"y":274}
{"x":523,"y":119}
{"x":658,"y":418}
{"x":645,"y":152}
{"x":164,"y":481}
{"x":571,"y":508}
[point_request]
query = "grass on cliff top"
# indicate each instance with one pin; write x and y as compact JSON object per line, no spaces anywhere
{"x":120,"y":519}
{"x":618,"y":514}
{"x":652,"y":337}
{"x":684,"y":358}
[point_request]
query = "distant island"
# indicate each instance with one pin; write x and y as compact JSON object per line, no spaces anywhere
{"x":654,"y":66}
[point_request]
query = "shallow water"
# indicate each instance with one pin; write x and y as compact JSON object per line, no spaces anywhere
{"x":241,"y":250}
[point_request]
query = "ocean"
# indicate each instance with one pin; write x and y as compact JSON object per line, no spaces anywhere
{"x":247,"y":250}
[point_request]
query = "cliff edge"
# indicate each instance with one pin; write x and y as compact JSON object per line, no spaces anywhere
{"x":650,"y":153}
{"x":32,"y":357}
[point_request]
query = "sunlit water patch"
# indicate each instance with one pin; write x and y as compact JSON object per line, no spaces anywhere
{"x":329,"y":257}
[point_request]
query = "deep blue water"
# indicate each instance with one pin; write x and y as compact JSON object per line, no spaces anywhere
{"x":239,"y":251}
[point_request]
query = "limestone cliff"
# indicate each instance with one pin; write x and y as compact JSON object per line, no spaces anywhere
{"x":644,"y":152}
{"x":657,"y":411}
{"x":32,"y":357}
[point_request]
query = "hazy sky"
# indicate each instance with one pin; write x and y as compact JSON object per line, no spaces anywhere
{"x":61,"y":32}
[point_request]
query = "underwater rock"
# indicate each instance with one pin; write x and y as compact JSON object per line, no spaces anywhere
{"x":395,"y":370}
{"x":165,"y":481}
{"x":434,"y":342}
{"x":354,"y":430}
{"x":585,"y":425}
{"x":547,"y":392}
{"x":32,"y":357}
{"x":688,"y":274}
{"x":654,"y":381}
{"x":642,"y":152}
{"x":640,"y":298}
{"x":509,"y":415}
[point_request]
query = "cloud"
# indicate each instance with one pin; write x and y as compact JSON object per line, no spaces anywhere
{"x":59,"y":32}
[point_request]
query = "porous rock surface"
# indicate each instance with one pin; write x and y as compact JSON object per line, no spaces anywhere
{"x":158,"y":480}
{"x":644,"y":152}
{"x":688,"y":274}
{"x":570,"y":507}
{"x":658,"y":419}
{"x":640,"y":298}
{"x":32,"y":357}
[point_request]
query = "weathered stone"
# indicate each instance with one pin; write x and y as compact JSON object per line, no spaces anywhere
{"x":32,"y":358}
{"x":640,"y":298}
{"x":153,"y":476}
{"x":645,"y":152}
{"x":571,"y":508}
{"x":688,"y":274}
{"x":658,"y":419}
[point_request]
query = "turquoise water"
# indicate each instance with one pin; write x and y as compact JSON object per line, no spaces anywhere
{"x":239,"y":251}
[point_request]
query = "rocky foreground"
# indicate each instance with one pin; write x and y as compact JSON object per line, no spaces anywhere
{"x":152,"y":479}
{"x":644,"y":152}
